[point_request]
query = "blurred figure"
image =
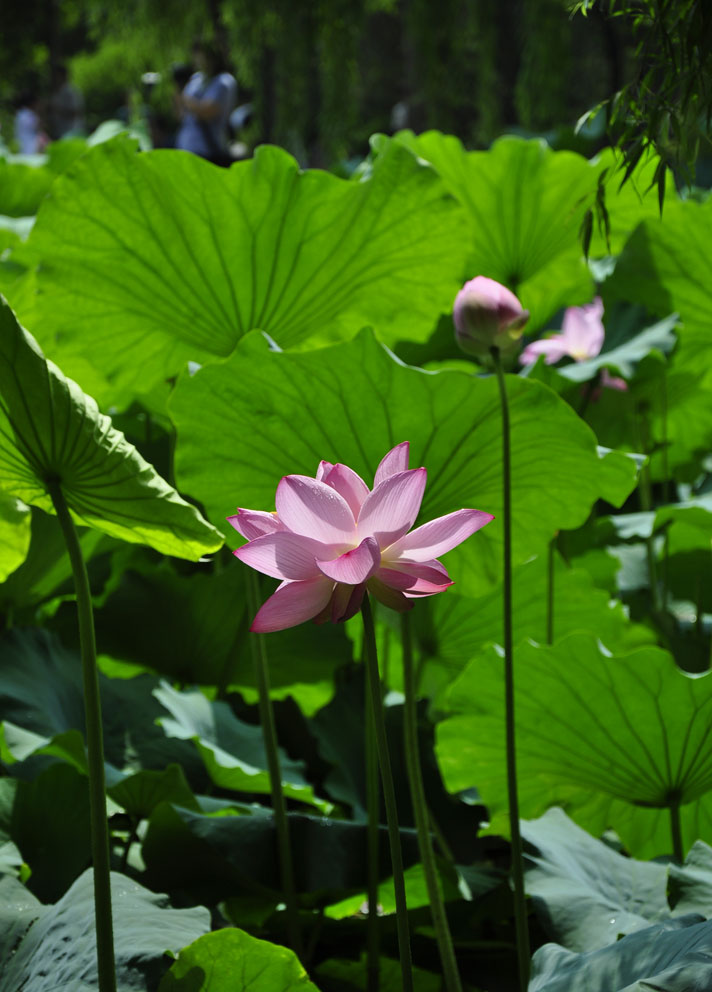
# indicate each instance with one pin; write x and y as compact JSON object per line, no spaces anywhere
{"x":66,"y":106}
{"x":28,"y":129}
{"x":205,"y":102}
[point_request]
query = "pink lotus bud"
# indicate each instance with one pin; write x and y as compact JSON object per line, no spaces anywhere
{"x":487,"y":315}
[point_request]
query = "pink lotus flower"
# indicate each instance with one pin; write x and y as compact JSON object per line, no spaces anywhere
{"x":581,"y":337}
{"x":487,"y":315}
{"x":331,"y":539}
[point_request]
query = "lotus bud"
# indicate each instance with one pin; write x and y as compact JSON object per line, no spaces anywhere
{"x":487,"y":315}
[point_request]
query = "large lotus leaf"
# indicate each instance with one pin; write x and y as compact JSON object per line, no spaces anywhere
{"x":13,"y":231}
{"x":41,"y":691}
{"x":684,"y":557}
{"x":139,"y":794}
{"x":666,"y":266}
{"x":614,"y":740}
{"x":46,"y":572}
{"x":416,"y":891}
{"x":50,"y":429}
{"x":150,"y":260}
{"x":233,"y":751}
{"x":691,"y":883}
{"x":345,"y":975}
{"x":626,"y":205}
{"x":674,"y":956}
{"x":666,"y":411}
{"x":10,"y":857}
{"x":666,"y":263}
{"x":222,"y":854}
{"x":23,"y":187}
{"x":194,"y":631}
{"x":450,"y":629}
{"x":264,"y":414}
{"x":55,"y":946}
{"x":585,"y":893}
{"x":50,"y":825}
{"x":233,"y":961}
{"x":524,"y":205}
{"x":14,"y":534}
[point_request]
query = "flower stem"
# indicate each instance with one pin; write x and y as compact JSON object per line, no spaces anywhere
{"x":676,"y":830}
{"x":373,"y":799}
{"x":95,"y":745}
{"x":666,"y":485}
{"x":451,"y":975}
{"x":520,"y":909}
{"x":389,"y":795}
{"x":645,"y":487}
{"x":269,"y":733}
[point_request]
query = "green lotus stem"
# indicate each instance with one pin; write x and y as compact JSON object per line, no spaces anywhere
{"x":389,"y":795}
{"x":95,"y":745}
{"x":520,"y":909}
{"x":666,"y":486}
{"x":550,"y":593}
{"x":440,"y":837}
{"x":646,"y":501}
{"x":451,"y":974}
{"x":588,"y":391}
{"x":676,"y":830}
{"x":269,"y":734}
{"x":373,"y":799}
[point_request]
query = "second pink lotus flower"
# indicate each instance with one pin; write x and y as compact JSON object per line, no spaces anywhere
{"x":331,"y":539}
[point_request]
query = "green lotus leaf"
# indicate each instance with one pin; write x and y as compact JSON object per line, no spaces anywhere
{"x":150,"y":260}
{"x":233,"y":961}
{"x":263,"y":414}
{"x":23,"y":187}
{"x":14,"y":533}
{"x":54,"y":947}
{"x":194,"y":632}
{"x":51,"y":431}
{"x":450,"y":630}
{"x":586,"y":894}
{"x":524,"y":205}
{"x":233,"y":751}
{"x":628,"y":204}
{"x":673,"y":956}
{"x":614,"y":740}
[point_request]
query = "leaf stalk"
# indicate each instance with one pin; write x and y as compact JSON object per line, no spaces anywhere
{"x":520,"y":909}
{"x":269,"y":734}
{"x":95,"y":745}
{"x":443,"y":936}
{"x":389,"y":795}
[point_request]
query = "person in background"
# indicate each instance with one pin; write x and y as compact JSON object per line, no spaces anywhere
{"x":205,"y":103}
{"x":66,"y":106}
{"x":28,"y":130}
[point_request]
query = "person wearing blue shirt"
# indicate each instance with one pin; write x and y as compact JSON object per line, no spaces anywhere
{"x":206,"y":101}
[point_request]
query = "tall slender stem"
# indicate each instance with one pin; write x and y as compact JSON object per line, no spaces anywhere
{"x":420,"y":811}
{"x":666,"y":485}
{"x":587,"y":394}
{"x":389,"y":796}
{"x":373,"y":800}
{"x":646,"y":501}
{"x":520,"y":909}
{"x":676,"y":830}
{"x":550,"y":593}
{"x":269,"y":733}
{"x":95,"y":746}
